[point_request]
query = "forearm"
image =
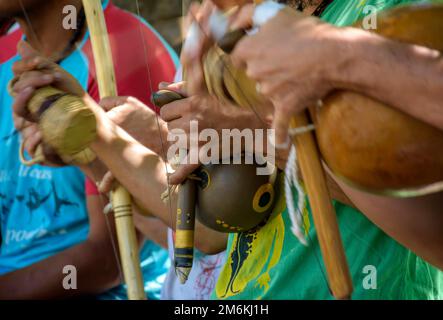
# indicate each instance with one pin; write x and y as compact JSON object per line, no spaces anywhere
{"x":96,"y":268}
{"x":406,"y":77}
{"x":140,"y":170}
{"x":416,"y":223}
{"x":152,"y":229}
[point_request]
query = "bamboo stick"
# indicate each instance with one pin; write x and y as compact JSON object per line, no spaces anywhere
{"x":121,"y":199}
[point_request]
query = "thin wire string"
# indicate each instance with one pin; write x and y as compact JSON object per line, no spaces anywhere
{"x":165,"y":160}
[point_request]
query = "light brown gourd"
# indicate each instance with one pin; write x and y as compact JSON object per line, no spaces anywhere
{"x":378,"y":148}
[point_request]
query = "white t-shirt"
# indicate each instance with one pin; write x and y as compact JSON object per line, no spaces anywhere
{"x":201,"y":280}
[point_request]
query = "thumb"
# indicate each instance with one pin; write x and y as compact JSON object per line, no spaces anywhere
{"x":195,"y":83}
{"x":182,"y":172}
{"x":109,"y":103}
{"x":25,"y":50}
{"x":107,"y":183}
{"x":281,"y":123}
{"x":179,"y":87}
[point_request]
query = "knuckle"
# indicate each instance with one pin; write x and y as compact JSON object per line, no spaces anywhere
{"x":163,"y":112}
{"x":130,"y":100}
{"x":266,"y":89}
{"x":251,"y":72}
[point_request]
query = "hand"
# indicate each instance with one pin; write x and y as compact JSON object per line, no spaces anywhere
{"x":32,"y":138}
{"x":107,"y":184}
{"x":292,"y":57}
{"x":198,"y":32}
{"x":208,"y":111}
{"x":200,"y":106}
{"x":139,"y":121}
{"x":35,"y":71}
{"x":32,"y":72}
{"x":30,"y":132}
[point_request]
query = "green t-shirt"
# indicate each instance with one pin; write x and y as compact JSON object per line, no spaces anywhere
{"x":270,"y":263}
{"x":346,"y":12}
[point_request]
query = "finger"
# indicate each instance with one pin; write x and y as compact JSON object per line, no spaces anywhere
{"x":197,"y":37}
{"x":192,"y":12}
{"x":179,"y":87}
{"x":26,"y":51}
{"x":52,"y":159}
{"x":36,"y":63}
{"x":229,"y":4}
{"x":203,"y":15}
{"x":107,"y":184}
{"x":191,"y":44}
{"x":281,"y":126}
{"x":196,"y":80}
{"x":34,"y":79}
{"x":181,"y":124}
{"x":182,"y":172}
{"x":20,"y":123}
{"x":20,"y":105}
{"x":192,"y":64}
{"x":163,"y":85}
{"x":29,"y":130}
{"x":109,"y":103}
{"x":242,"y":18}
{"x":242,"y":52}
{"x":174,"y":110}
{"x":32,"y":138}
{"x":25,"y":65}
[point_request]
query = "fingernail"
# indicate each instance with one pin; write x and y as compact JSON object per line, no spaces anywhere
{"x":47,"y":77}
{"x":58,"y":76}
{"x":163,"y":84}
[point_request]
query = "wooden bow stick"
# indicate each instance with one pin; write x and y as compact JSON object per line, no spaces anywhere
{"x":121,"y":199}
{"x":323,"y":213}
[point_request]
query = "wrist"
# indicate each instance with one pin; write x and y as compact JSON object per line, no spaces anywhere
{"x":237,"y":118}
{"x":160,"y":146}
{"x":351,"y":53}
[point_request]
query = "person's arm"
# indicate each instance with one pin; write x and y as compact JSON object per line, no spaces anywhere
{"x":138,"y":168}
{"x":153,"y":229}
{"x":94,"y":260}
{"x":143,"y":173}
{"x":413,"y":83}
{"x":299,"y":60}
{"x":416,"y":223}
{"x":412,"y":76}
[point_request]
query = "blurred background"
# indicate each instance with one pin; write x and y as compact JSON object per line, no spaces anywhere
{"x":164,"y":15}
